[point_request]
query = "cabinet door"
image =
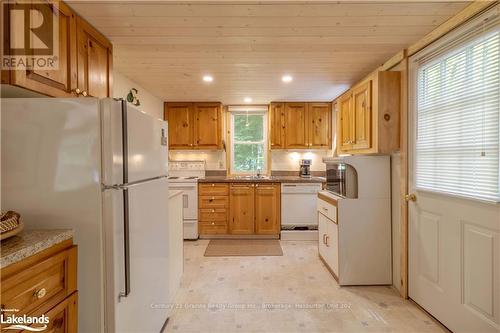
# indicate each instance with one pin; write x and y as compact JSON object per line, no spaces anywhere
{"x":277,"y":122}
{"x":332,"y":246}
{"x":180,"y":125}
{"x":345,"y":123}
{"x":241,"y":209}
{"x":94,"y":58}
{"x":267,"y":209}
{"x":322,"y":234}
{"x":319,"y":119}
{"x":207,"y":128}
{"x":55,"y":82}
{"x":361,"y":97}
{"x":295,"y":125}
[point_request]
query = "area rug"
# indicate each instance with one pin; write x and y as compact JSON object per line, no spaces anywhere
{"x":243,"y":247}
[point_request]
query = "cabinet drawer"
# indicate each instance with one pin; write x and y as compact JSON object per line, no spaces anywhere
{"x":207,"y":201}
{"x":53,"y":277}
{"x":62,"y":317}
{"x":212,"y":228}
{"x":213,"y":189}
{"x":327,"y":209}
{"x":213,"y":215}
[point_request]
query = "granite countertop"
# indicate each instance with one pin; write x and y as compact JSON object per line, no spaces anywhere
{"x":272,"y":179}
{"x":30,"y":242}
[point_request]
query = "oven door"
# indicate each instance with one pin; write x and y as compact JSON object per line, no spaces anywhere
{"x":189,"y":198}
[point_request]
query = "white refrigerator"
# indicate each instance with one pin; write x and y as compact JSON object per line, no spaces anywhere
{"x":100,"y":168}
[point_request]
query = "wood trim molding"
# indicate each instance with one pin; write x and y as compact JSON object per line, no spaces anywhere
{"x":463,"y":16}
{"x":326,"y":198}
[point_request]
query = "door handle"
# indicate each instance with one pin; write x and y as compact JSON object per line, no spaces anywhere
{"x":324,"y":235}
{"x":410,"y":197}
{"x":126,"y":243}
{"x":327,"y":238}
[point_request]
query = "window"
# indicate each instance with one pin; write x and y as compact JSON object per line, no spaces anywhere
{"x":457,"y":137}
{"x":248,"y":142}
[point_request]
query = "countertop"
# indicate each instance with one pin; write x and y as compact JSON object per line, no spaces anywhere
{"x":272,"y":179}
{"x":30,"y":242}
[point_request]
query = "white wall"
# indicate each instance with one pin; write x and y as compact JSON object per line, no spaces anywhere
{"x":149,"y":103}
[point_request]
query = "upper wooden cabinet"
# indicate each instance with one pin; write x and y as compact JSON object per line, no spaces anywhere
{"x":300,"y":125}
{"x":57,"y":82}
{"x":84,"y":61}
{"x":319,"y":119}
{"x":277,"y":125}
{"x":194,"y":125}
{"x":207,"y":125}
{"x":94,"y":59}
{"x":368,"y":115}
{"x":296,"y":125}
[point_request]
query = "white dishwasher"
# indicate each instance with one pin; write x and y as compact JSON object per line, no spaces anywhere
{"x":298,"y":211}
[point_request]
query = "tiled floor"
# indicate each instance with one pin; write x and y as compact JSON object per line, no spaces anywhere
{"x":292,"y":293}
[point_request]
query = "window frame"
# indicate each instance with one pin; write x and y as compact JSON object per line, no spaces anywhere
{"x":265,"y":140}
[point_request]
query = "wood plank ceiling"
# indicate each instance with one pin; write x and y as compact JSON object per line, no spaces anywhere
{"x":247,"y":47}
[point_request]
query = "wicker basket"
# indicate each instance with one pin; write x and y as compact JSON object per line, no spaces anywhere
{"x":10,"y":224}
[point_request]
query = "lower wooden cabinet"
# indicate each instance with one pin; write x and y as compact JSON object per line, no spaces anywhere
{"x":239,"y":209}
{"x":267,"y":209}
{"x":44,"y":284}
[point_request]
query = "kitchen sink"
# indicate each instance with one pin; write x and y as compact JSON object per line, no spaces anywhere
{"x":252,"y":177}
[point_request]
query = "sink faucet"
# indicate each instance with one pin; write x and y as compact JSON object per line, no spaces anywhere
{"x":259,"y":172}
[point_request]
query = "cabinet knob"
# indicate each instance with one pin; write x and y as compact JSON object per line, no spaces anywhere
{"x":213,"y":185}
{"x":410,"y":197}
{"x":77,"y":91}
{"x":84,"y":93}
{"x":213,"y":223}
{"x":40,"y":293}
{"x":213,"y":210}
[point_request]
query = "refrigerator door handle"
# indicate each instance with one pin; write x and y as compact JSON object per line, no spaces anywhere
{"x":126,"y":242}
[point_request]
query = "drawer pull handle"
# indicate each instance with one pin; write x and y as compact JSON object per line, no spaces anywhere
{"x":213,"y":210}
{"x":40,"y":293}
{"x":213,"y":185}
{"x":213,"y":223}
{"x":327,"y":238}
{"x":324,"y":235}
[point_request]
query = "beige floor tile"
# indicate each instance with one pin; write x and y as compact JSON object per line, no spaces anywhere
{"x":290,"y":293}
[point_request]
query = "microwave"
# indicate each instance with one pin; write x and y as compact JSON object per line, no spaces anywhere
{"x":341,"y":179}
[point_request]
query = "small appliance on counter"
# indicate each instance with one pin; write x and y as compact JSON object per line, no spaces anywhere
{"x":184,"y":175}
{"x":305,"y":168}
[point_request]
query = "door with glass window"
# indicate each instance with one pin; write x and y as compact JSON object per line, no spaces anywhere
{"x":454,"y":212}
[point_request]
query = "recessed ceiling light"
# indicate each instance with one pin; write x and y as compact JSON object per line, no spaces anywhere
{"x":248,"y":99}
{"x":287,"y":78}
{"x":208,"y":78}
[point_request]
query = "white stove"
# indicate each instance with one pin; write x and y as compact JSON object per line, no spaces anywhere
{"x":183,"y":176}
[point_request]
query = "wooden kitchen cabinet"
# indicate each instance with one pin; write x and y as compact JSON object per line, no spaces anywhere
{"x":319,"y":119}
{"x":194,"y":125}
{"x":180,"y":125}
{"x":44,"y":283}
{"x":267,"y":209}
{"x":94,"y":59}
{"x":368,"y":116}
{"x":207,"y":125}
{"x":241,"y":209}
{"x":58,"y":82}
{"x":277,"y":125}
{"x":84,"y":61}
{"x":296,"y":126}
{"x":300,"y":125}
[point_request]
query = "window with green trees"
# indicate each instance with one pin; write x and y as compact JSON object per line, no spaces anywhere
{"x":249,"y":146}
